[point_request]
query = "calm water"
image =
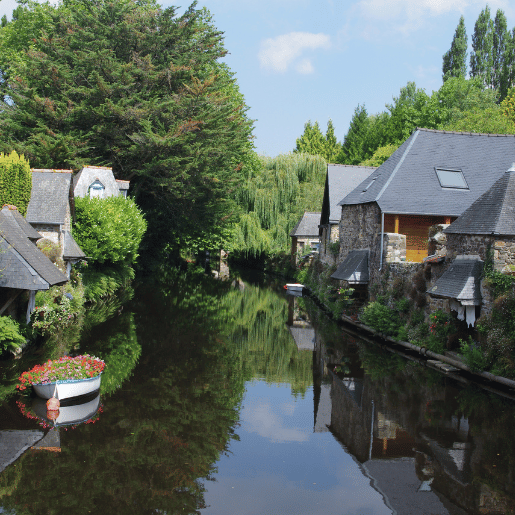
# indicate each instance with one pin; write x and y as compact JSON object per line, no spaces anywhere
{"x":223,"y":398}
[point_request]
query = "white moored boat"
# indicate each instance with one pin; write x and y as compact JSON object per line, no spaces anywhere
{"x":69,"y":388}
{"x":68,"y":415}
{"x":295,"y":289}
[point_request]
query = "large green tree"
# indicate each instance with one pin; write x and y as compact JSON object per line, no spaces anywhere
{"x":499,"y":41}
{"x":354,"y":148}
{"x":128,"y":84}
{"x":481,"y":57}
{"x":455,"y":59}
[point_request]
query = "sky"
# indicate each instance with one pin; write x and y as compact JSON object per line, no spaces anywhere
{"x":314,"y":60}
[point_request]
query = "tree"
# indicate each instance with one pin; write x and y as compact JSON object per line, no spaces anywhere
{"x":312,"y":140}
{"x":500,"y":39}
{"x":508,"y":65}
{"x":354,"y":149}
{"x":15,"y":181}
{"x":481,"y":58}
{"x":332,"y":147}
{"x":455,"y":59}
{"x":128,"y":84}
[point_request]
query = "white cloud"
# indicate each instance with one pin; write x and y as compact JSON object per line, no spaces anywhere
{"x":408,"y":16}
{"x":277,"y":54}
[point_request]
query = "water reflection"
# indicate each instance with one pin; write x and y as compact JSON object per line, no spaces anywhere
{"x":232,"y":398}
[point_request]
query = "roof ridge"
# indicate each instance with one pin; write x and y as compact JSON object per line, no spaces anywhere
{"x":50,"y":170}
{"x":352,"y":166}
{"x":465,"y":133}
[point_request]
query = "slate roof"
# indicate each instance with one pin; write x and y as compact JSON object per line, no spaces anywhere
{"x":89,"y":174}
{"x":492,"y":213}
{"x":307,"y":225}
{"x":49,"y":197}
{"x":461,"y":281}
{"x":28,"y":230}
{"x":23,"y":265}
{"x":339,"y":182}
{"x":71,"y":247}
{"x":354,"y":268}
{"x":407,"y":183}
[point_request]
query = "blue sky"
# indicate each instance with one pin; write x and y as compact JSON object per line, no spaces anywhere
{"x":300,"y":60}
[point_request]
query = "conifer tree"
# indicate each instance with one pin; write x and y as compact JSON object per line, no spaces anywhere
{"x":332,"y":147}
{"x":354,"y":149}
{"x":508,"y":66}
{"x":15,"y":181}
{"x":455,"y":59}
{"x":127,"y":84}
{"x":312,"y":140}
{"x":481,"y":58}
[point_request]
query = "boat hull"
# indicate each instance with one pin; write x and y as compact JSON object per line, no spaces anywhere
{"x":68,"y":415}
{"x":68,"y":389}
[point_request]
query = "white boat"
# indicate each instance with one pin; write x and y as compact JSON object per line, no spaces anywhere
{"x":294,"y":287}
{"x":68,"y":388}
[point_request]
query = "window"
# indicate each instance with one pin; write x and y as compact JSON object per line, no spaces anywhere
{"x":451,"y":179}
{"x":96,"y":189}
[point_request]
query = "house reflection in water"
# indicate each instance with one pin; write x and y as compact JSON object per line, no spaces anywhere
{"x":417,"y":460}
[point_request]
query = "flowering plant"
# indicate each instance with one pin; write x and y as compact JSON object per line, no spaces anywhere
{"x":62,"y":369}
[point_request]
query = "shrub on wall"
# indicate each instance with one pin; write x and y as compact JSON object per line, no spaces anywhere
{"x":15,"y":181}
{"x":109,"y":230}
{"x":10,"y":336}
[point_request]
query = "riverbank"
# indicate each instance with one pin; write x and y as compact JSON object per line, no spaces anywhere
{"x":387,"y":311}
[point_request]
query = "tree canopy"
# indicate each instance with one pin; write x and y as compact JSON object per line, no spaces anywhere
{"x":128,"y":84}
{"x":455,"y":59}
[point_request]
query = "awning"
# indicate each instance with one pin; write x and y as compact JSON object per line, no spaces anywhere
{"x":354,"y":268}
{"x":461,"y":281}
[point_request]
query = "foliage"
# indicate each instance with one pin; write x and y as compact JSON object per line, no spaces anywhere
{"x":355,"y":146}
{"x":161,"y":108}
{"x":10,"y":335}
{"x":58,"y":306}
{"x":315,"y":143}
{"x":381,"y":318}
{"x":334,"y":248}
{"x":65,"y":368}
{"x":109,"y":230}
{"x":104,"y":282}
{"x":275,"y":195}
{"x":15,"y":181}
{"x":455,"y":59}
{"x":473,"y":355}
{"x":380,"y":155}
{"x":481,"y":58}
{"x":440,"y":324}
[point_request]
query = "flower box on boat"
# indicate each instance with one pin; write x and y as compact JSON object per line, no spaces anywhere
{"x":64,"y":377}
{"x":69,"y":388}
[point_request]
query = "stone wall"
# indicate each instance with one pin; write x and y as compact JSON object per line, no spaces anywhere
{"x":395,"y":247}
{"x":330,"y":234}
{"x":360,"y":228}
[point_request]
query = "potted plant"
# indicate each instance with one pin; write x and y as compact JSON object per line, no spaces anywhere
{"x":64,"y":377}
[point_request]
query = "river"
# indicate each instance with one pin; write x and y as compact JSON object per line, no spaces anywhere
{"x":234,"y":398}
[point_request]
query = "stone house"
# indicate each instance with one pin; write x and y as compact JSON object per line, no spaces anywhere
{"x":23,"y":266}
{"x":50,"y":211}
{"x":432,"y":178}
{"x":487,"y":226}
{"x":98,"y":181}
{"x":340,"y":181}
{"x":305,"y":234}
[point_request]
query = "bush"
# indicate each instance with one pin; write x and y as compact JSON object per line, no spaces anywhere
{"x":10,"y":335}
{"x":104,"y":283}
{"x":381,"y":318}
{"x":109,"y":230}
{"x":473,"y":355}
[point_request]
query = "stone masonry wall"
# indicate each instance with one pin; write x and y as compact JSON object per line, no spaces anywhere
{"x":360,"y":228}
{"x":325,"y":254}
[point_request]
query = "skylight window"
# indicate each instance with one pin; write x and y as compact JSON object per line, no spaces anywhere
{"x":453,"y":179}
{"x":369,"y":184}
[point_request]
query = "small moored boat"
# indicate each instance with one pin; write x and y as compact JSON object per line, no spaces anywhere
{"x":69,"y":388}
{"x":294,"y":289}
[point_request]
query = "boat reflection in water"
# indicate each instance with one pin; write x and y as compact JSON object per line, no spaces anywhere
{"x":71,"y":412}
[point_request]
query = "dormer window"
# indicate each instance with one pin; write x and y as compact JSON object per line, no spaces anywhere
{"x":451,"y":179}
{"x":96,"y":190}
